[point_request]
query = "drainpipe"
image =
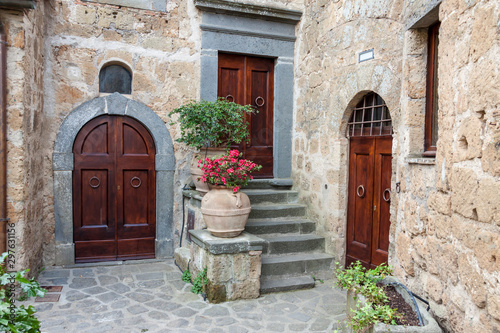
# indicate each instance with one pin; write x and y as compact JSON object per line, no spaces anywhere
{"x":3,"y":139}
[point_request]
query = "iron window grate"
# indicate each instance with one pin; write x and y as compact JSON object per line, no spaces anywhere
{"x":370,"y":117}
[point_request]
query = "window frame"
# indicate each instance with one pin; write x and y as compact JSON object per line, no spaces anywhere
{"x":431,"y":98}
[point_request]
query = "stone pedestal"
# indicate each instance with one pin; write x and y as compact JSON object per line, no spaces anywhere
{"x":233,"y":264}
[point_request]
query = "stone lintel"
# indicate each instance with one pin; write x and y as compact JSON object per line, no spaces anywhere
{"x":424,"y":17}
{"x":215,"y":245}
{"x":250,"y":10}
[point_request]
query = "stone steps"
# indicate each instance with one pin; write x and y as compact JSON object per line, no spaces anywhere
{"x":295,"y":264}
{"x":293,"y":243}
{"x":280,"y":283}
{"x":270,"y":196}
{"x":280,"y":226}
{"x":277,"y":211}
{"x":292,"y":254}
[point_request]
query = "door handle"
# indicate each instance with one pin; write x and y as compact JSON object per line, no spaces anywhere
{"x":362,"y":188}
{"x":386,"y":199}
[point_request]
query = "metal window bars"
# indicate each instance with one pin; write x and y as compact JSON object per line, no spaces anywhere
{"x":370,"y":118}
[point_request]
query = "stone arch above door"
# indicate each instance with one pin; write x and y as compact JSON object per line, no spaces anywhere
{"x":62,"y":165}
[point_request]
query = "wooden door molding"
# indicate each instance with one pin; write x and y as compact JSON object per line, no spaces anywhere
{"x":63,"y":165}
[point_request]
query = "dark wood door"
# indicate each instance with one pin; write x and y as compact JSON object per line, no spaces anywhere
{"x":250,"y":80}
{"x":368,"y":217}
{"x":114,"y":191}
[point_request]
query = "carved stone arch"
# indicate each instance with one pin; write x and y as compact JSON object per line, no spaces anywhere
{"x":62,"y":165}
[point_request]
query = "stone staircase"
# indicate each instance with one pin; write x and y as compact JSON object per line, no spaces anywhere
{"x":292,"y":254}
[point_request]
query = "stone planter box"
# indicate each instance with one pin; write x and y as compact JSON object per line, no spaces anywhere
{"x":430,"y":325}
{"x":233,"y":264}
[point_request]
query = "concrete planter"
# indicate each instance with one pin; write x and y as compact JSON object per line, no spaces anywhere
{"x":430,"y":325}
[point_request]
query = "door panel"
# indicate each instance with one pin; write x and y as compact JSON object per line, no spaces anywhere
{"x":368,"y":219}
{"x":95,"y":198}
{"x":250,"y":80}
{"x":360,"y":198}
{"x":382,"y":188}
{"x":114,"y":199}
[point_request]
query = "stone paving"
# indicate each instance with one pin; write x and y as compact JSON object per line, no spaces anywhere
{"x":151,"y":297}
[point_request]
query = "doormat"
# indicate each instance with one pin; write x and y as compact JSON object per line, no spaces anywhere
{"x":52,"y":289}
{"x":48,"y":298}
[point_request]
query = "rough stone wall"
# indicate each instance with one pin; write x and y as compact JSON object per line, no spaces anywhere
{"x":445,"y":223}
{"x":447,"y":240}
{"x":329,"y":82}
{"x":25,"y":199}
{"x":161,"y":49}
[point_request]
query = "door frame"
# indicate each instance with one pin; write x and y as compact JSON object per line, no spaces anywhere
{"x":63,"y":165}
{"x":242,"y":30}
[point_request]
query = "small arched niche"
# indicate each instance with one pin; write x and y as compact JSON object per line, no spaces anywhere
{"x":115,"y":77}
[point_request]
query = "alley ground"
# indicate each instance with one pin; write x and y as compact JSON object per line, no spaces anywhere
{"x":151,"y":297}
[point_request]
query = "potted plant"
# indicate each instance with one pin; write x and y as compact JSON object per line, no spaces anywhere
{"x":225,"y":209}
{"x":369,"y":306}
{"x":211,"y":128}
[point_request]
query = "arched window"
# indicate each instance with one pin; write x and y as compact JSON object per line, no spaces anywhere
{"x":115,"y":78}
{"x":370,"y":118}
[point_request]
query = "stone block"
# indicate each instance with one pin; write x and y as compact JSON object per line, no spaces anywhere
{"x":491,"y":155}
{"x":484,"y":31}
{"x":487,"y":203}
{"x":469,"y":140}
{"x":434,"y":288}
{"x":494,"y":306}
{"x":473,"y":281}
{"x":440,"y":202}
{"x":85,"y":14}
{"x":464,"y":184}
{"x":247,"y":289}
{"x":404,"y":253}
{"x":182,"y":256}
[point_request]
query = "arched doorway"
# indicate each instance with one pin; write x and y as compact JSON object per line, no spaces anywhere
{"x":368,"y":218}
{"x":114,"y":191}
{"x":63,"y":163}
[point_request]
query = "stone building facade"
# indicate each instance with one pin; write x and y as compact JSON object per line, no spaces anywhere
{"x":444,"y":239}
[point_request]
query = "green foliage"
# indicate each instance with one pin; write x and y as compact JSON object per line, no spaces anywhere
{"x":199,"y":282}
{"x":212,"y":124}
{"x":364,"y":282}
{"x":13,"y":318}
{"x":315,"y":279}
{"x":186,"y":276}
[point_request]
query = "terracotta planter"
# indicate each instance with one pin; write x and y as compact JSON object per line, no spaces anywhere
{"x":225,"y":212}
{"x":196,"y":171}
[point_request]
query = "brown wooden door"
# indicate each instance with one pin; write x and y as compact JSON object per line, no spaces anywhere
{"x":250,"y":80}
{"x":114,"y":191}
{"x":368,"y":220}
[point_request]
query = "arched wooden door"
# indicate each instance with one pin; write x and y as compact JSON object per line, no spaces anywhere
{"x":114,"y":191}
{"x":370,"y":167}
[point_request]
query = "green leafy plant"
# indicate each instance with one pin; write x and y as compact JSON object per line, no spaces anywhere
{"x":17,"y":318}
{"x":199,"y":282}
{"x":363,"y":282}
{"x":212,"y":124}
{"x":186,"y":276}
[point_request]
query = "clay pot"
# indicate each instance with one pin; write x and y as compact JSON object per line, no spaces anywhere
{"x":196,"y":172}
{"x":225,"y":212}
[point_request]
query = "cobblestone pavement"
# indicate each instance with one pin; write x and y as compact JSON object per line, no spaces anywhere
{"x":151,"y":297}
